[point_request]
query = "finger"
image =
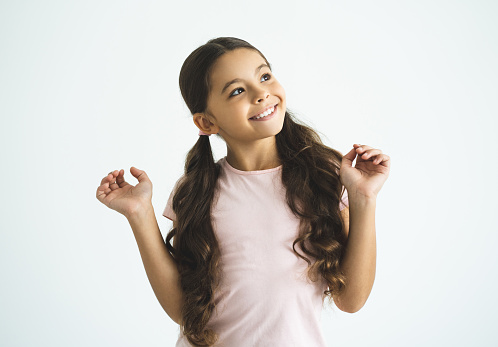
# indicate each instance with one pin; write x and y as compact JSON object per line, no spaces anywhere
{"x":100,"y":195}
{"x":348,"y":158}
{"x":109,"y":177}
{"x":385,"y":159}
{"x":120,"y":179}
{"x":104,"y":187}
{"x":362,"y":148}
{"x":381,"y":158}
{"x":112,"y":180}
{"x":371,"y":153}
{"x":140,"y":175}
{"x":105,"y":179}
{"x":102,"y":192}
{"x":106,"y":183}
{"x":113,"y":186}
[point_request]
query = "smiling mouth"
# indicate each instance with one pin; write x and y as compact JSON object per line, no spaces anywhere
{"x":259,"y":117}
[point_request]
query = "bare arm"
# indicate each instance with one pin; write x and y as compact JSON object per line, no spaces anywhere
{"x":159,"y":264}
{"x":360,"y":257}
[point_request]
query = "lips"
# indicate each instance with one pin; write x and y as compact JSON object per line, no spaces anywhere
{"x":263,"y":111}
{"x":266,"y":118}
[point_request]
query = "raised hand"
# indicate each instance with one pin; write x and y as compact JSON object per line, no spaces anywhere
{"x":117,"y":194}
{"x":370,"y":172}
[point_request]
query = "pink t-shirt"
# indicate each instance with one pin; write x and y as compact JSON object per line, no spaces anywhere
{"x":265,"y":297}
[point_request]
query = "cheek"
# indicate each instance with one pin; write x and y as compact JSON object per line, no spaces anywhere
{"x":236,"y":114}
{"x":279,"y":90}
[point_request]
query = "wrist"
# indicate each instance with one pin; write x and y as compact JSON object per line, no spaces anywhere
{"x":362,"y":198}
{"x":140,"y":212}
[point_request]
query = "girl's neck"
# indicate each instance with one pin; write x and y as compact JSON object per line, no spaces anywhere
{"x":260,"y":155}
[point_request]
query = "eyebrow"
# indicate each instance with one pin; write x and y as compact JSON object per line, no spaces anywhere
{"x":238,"y":79}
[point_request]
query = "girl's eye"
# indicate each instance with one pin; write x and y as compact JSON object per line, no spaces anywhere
{"x":235,"y":91}
{"x":232,"y":94}
{"x":267,"y":74}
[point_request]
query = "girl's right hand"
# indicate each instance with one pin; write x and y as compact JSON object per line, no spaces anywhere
{"x":117,"y":194}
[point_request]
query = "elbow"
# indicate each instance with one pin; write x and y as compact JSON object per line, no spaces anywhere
{"x":350,"y":306}
{"x":174,"y":317}
{"x":351,"y":301}
{"x":174,"y":314}
{"x":176,"y":320}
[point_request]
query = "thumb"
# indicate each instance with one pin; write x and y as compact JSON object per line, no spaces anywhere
{"x":349,"y":157}
{"x":140,"y":175}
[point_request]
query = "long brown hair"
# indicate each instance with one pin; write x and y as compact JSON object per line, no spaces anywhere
{"x":310,"y":174}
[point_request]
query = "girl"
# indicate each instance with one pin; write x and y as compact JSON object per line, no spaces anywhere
{"x":262,"y":236}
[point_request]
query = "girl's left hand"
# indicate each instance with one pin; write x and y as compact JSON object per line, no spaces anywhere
{"x":368,"y":175}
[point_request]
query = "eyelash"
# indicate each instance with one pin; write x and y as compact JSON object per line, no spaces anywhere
{"x":231,"y":94}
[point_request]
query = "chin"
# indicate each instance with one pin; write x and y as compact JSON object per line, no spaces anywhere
{"x":279,"y":128}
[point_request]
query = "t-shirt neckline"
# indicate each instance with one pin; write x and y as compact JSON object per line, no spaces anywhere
{"x":256,"y":172}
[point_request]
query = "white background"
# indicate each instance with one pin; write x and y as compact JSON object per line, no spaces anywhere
{"x":91,"y":86}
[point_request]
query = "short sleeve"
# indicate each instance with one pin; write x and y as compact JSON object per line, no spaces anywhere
{"x":344,"y":201}
{"x":168,"y":210}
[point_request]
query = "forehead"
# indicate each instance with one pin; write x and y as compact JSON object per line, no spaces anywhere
{"x":239,"y":63}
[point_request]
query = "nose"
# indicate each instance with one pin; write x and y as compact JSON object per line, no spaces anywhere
{"x":261,"y":95}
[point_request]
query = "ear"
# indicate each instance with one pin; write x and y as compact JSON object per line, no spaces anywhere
{"x":204,"y":124}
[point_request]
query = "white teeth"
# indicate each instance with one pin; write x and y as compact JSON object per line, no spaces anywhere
{"x":264,"y":114}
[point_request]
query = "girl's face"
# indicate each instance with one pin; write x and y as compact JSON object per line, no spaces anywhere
{"x":243,"y":86}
